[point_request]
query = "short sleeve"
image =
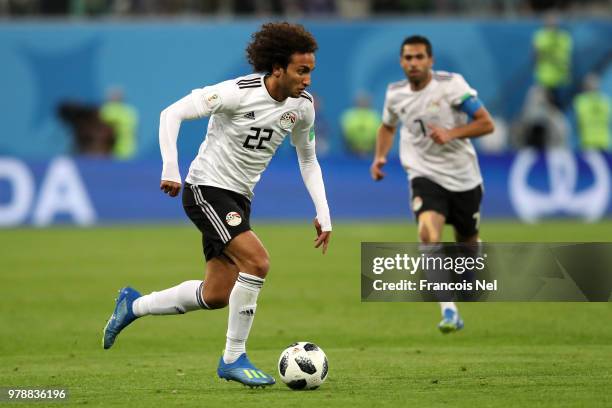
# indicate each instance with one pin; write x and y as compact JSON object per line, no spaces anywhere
{"x":458,"y":90}
{"x":389,"y":117}
{"x":223,"y":97}
{"x":303,"y":133}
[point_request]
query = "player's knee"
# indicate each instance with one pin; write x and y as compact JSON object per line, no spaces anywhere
{"x":428,"y":235}
{"x":258,"y":267}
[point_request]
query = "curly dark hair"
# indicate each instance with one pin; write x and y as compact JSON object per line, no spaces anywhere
{"x":274,"y":44}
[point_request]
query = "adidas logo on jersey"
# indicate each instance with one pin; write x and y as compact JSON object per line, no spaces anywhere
{"x":250,"y":115}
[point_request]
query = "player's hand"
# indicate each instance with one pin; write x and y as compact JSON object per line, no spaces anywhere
{"x":322,"y":238}
{"x":170,"y":187}
{"x":440,"y":135}
{"x":376,"y":168}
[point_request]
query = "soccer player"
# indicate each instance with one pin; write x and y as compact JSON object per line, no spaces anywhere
{"x":250,"y":116}
{"x":439,"y":112}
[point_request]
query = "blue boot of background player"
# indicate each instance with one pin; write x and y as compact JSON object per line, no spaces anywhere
{"x":451,"y":321}
{"x":122,"y":316}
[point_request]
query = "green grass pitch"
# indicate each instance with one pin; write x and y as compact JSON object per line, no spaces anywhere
{"x":58,"y":285}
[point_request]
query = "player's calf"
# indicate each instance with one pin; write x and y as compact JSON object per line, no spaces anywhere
{"x":217,"y":301}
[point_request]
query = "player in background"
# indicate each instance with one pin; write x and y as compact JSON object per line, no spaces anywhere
{"x":439,"y":112}
{"x":250,"y":116}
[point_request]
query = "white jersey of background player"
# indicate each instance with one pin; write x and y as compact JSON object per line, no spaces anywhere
{"x":453,"y":165}
{"x":439,"y":112}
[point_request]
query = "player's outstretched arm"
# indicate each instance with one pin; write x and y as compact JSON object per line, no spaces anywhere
{"x":384,"y":142}
{"x":169,"y":125}
{"x":313,"y":180}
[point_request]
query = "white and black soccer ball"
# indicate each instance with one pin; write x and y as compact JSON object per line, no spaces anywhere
{"x":303,"y":366}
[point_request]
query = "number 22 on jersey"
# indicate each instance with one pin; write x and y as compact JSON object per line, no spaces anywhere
{"x":256,"y":139}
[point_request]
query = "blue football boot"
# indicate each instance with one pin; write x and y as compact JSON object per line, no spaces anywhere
{"x":244,"y":372}
{"x":122,"y":316}
{"x":451,"y":322}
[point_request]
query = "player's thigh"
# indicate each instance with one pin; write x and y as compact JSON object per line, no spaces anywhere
{"x":221,"y":215}
{"x":430,"y":204}
{"x":465,"y":214}
{"x":249,"y":254}
{"x":221,"y":275}
{"x":431,"y":224}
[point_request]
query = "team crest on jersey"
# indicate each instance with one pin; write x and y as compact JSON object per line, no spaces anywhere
{"x":417,"y":203}
{"x":288,"y":119}
{"x":212,"y":100}
{"x":233,"y":219}
{"x":433,"y":107}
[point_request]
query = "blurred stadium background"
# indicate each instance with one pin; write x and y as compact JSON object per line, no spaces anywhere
{"x":66,"y":63}
{"x":83,"y":83}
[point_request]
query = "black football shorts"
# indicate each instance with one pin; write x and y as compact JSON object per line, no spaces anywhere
{"x":461,"y":209}
{"x":219,"y":214}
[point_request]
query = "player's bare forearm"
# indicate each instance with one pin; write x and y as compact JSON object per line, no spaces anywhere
{"x":384,"y":142}
{"x":482,"y":124}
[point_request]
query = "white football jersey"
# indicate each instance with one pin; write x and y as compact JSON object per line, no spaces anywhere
{"x":453,"y":165}
{"x":246,"y":127}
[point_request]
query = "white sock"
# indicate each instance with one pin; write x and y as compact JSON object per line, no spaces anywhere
{"x":242,"y":306}
{"x":180,"y":299}
{"x":448,"y":305}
